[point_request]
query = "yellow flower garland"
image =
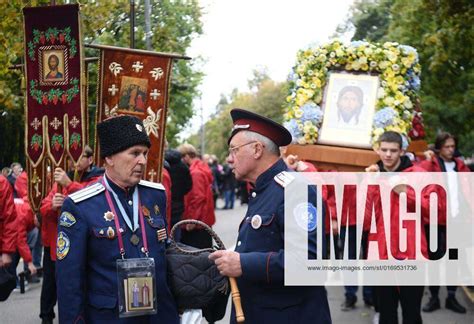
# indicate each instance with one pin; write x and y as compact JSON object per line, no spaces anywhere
{"x":398,"y":69}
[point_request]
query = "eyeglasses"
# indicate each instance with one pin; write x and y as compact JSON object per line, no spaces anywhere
{"x":233,"y":150}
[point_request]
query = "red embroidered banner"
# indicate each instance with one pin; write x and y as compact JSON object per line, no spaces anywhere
{"x":55,"y":113}
{"x":136,"y":82}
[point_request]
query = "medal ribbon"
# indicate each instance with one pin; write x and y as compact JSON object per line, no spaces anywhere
{"x":117,"y":224}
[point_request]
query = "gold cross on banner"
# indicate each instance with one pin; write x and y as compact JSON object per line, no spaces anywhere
{"x":137,"y":66}
{"x":74,"y":122}
{"x":35,"y":123}
{"x":113,"y":90}
{"x":155,"y":94}
{"x":152,"y":174}
{"x":55,"y":123}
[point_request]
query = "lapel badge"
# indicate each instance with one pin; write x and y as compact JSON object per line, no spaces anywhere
{"x":101,"y":232}
{"x":157,"y":210}
{"x":161,"y":234}
{"x":109,"y":216}
{"x":256,"y":221}
{"x":146,"y":212}
{"x":110,"y":232}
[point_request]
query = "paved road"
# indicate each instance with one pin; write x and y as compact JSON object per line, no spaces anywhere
{"x":24,"y":308}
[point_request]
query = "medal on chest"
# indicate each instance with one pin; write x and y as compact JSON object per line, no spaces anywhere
{"x":256,"y":221}
{"x":108,"y":216}
{"x":110,"y":232}
{"x":134,"y":239}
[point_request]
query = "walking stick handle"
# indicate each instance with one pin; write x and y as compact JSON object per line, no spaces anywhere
{"x":239,"y":313}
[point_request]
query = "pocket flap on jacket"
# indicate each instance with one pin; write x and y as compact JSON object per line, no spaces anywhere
{"x":156,"y":222}
{"x":102,"y":301}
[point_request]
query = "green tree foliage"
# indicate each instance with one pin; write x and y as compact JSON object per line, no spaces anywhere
{"x":11,"y":100}
{"x":174,"y":24}
{"x":369,"y":19}
{"x":442,"y":33}
{"x":267,"y":99}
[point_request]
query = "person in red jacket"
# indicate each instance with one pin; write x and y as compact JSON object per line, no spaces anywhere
{"x":25,"y":222}
{"x":199,"y":202}
{"x":391,"y":152}
{"x":85,"y":174}
{"x":443,"y":161}
{"x":166,"y":181}
{"x":7,"y":223}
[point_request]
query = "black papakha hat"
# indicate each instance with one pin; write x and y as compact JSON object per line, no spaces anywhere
{"x":118,"y":133}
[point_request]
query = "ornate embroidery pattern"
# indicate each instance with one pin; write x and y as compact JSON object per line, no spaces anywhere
{"x":57,"y":142}
{"x":115,"y":68}
{"x":36,"y":142}
{"x":151,"y":122}
{"x":53,"y":36}
{"x":54,"y":95}
{"x":157,"y":73}
{"x":75,"y":141}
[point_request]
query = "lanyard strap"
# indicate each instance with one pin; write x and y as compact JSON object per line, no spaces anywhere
{"x":117,"y":224}
{"x":133,"y":227}
{"x":142,"y":224}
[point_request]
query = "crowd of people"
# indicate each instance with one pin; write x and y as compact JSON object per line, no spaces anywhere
{"x":94,"y":216}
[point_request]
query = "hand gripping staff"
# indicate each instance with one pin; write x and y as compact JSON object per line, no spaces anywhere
{"x":176,"y":266}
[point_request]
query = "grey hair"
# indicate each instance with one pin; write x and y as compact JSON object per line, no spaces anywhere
{"x":14,"y":164}
{"x":268,"y":144}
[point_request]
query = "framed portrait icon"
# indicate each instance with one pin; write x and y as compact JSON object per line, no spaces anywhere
{"x":53,"y":65}
{"x":348,"y":107}
{"x":139,"y":293}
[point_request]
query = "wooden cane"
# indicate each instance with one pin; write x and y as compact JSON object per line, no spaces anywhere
{"x":239,"y":313}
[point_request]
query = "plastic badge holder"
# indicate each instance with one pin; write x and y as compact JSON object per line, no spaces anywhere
{"x":136,"y":287}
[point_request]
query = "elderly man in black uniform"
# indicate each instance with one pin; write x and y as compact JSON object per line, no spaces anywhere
{"x":258,"y":259}
{"x":111,"y":265}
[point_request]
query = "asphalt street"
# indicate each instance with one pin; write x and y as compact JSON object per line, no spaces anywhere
{"x":24,"y":308}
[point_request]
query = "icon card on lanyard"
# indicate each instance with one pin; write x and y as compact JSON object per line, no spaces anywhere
{"x":136,"y":287}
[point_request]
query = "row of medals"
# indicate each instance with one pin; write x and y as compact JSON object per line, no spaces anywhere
{"x":134,"y":239}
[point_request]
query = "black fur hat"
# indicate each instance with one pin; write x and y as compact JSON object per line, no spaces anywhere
{"x":117,"y":134}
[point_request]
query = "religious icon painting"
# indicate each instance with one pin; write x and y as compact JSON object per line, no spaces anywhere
{"x":137,"y":291}
{"x":349,"y":106}
{"x":133,"y":95}
{"x":53,"y":65}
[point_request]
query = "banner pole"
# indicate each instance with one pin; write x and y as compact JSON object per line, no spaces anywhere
{"x":132,"y":23}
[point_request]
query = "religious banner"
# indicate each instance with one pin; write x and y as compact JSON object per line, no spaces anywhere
{"x":55,"y":120}
{"x":136,"y":82}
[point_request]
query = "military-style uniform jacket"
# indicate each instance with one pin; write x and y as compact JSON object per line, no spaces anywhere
{"x":87,"y":251}
{"x":260,"y":243}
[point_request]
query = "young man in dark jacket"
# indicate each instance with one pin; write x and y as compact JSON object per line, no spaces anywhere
{"x":181,"y":182}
